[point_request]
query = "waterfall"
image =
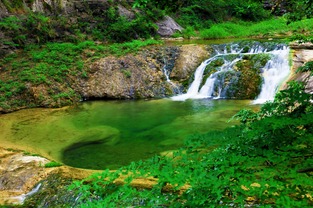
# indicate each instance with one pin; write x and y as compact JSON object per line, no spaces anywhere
{"x":21,"y":198}
{"x":274,"y":72}
{"x":167,"y":76}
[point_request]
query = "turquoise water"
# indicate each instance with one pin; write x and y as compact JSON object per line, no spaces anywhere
{"x":110,"y":134}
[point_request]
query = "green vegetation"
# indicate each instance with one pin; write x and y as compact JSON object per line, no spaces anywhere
{"x":266,"y":28}
{"x":266,"y":161}
{"x":308,"y":67}
{"x":52,"y":164}
{"x":39,"y":28}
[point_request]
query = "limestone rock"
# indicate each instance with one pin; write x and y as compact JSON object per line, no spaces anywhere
{"x":301,"y":55}
{"x":189,"y":59}
{"x":123,"y":78}
{"x":167,"y":27}
{"x":19,"y":173}
{"x":297,"y":45}
{"x":141,"y":75}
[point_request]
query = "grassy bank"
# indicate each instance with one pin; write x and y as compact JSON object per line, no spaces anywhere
{"x":53,"y":65}
{"x":277,"y":27}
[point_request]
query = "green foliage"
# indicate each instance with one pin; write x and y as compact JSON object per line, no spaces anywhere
{"x":129,"y":47}
{"x":248,"y":10}
{"x":214,"y":32}
{"x":52,"y":164}
{"x":202,"y":13}
{"x":307,"y":67}
{"x":282,"y":122}
{"x":299,"y":9}
{"x":272,"y":27}
{"x":126,"y":73}
{"x":186,"y":33}
{"x":140,"y":4}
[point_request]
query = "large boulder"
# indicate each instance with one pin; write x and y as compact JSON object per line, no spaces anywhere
{"x":167,"y":27}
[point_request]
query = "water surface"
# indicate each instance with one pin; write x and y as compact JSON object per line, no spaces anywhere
{"x":110,"y":134}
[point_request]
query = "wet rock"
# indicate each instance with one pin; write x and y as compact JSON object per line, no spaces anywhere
{"x":142,"y":75}
{"x":189,"y":59}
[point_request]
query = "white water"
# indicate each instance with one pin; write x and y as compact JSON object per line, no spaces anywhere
{"x":275,"y":71}
{"x":20,"y":199}
{"x":167,"y":76}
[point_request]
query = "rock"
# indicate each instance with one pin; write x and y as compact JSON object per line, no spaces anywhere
{"x":167,"y":27}
{"x":37,"y":6}
{"x":302,"y":55}
{"x":3,"y":10}
{"x":297,"y":45}
{"x":190,"y":57}
{"x":19,"y":173}
{"x":141,"y":75}
{"x":125,"y":12}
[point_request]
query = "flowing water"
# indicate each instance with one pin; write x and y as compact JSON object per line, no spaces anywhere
{"x":110,"y":134}
{"x":274,"y":73}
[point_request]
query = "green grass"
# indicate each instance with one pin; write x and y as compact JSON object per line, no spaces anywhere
{"x":267,"y":28}
{"x":52,"y":164}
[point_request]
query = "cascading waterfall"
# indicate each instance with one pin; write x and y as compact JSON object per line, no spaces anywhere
{"x":274,"y":72}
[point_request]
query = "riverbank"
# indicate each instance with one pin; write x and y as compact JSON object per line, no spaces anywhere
{"x":21,"y":172}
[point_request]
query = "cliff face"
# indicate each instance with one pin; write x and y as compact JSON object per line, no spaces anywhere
{"x":302,"y":53}
{"x":131,"y":76}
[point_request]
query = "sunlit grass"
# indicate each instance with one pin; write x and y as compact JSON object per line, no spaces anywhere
{"x":273,"y":27}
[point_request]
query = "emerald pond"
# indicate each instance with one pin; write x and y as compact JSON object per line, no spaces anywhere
{"x":110,"y":134}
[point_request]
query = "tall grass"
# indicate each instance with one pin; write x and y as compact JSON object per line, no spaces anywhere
{"x":273,"y":27}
